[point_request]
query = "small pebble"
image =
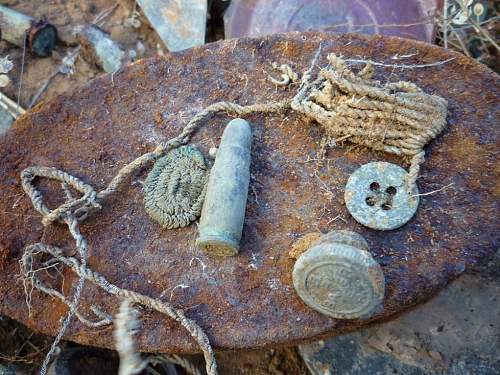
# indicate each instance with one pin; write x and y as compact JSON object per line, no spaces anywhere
{"x":4,"y":80}
{"x":212,"y":152}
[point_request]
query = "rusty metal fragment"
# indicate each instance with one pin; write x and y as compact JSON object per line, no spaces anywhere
{"x":247,"y":300}
{"x":38,"y":36}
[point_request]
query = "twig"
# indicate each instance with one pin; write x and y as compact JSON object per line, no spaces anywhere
{"x":325,"y":187}
{"x":402,"y":66}
{"x":309,"y":159}
{"x":65,"y":67}
{"x":461,"y":42}
{"x":468,"y":26}
{"x":99,"y":19}
{"x":335,"y":218}
{"x":22,"y":70}
{"x":42,"y":89}
{"x":445,"y":23}
{"x":486,"y":34}
{"x":25,"y":359}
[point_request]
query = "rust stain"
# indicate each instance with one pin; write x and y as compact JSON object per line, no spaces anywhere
{"x":496,"y":174}
{"x":303,"y":243}
{"x":466,"y":152}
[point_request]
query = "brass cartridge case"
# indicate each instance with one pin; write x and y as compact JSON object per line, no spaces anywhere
{"x":223,"y":212}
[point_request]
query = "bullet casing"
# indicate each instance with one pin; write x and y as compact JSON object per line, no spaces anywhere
{"x":223,"y":212}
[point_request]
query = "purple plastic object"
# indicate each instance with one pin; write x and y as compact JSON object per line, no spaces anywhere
{"x":405,"y":18}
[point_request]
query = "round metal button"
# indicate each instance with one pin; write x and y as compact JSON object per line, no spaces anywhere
{"x":376,"y":197}
{"x":338,"y":279}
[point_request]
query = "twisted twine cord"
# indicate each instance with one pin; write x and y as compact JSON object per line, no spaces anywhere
{"x":62,"y":213}
{"x":397,"y":118}
{"x":81,"y":246}
{"x":106,"y":319}
{"x":65,"y":215}
{"x":126,"y":327}
{"x":77,"y":210}
{"x":287,"y":76}
{"x":131,"y":362}
{"x":166,"y":308}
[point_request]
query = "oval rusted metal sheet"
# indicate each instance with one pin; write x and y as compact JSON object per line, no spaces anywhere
{"x":248,"y":300}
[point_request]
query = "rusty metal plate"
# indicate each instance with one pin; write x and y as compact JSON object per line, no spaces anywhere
{"x":248,"y":300}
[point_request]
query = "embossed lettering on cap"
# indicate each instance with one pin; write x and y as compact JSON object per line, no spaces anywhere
{"x":338,"y":279}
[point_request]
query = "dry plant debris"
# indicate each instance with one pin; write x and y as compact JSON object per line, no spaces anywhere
{"x":472,"y":28}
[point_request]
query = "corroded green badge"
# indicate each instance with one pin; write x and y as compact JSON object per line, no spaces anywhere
{"x":174,"y":189}
{"x":338,"y":277}
{"x":376,"y":196}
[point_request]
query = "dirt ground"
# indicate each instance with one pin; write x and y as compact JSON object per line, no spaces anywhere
{"x":18,"y":345}
{"x":25,"y":350}
{"x":65,"y":15}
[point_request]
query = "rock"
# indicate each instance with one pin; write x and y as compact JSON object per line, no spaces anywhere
{"x":180,"y":25}
{"x":452,"y":334}
{"x":99,"y":48}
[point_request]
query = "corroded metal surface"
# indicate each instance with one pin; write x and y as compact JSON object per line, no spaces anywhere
{"x":248,"y":300}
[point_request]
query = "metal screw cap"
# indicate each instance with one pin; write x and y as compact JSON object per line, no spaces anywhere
{"x":339,"y":278}
{"x":376,"y":197}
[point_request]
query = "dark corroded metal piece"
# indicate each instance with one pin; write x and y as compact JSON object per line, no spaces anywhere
{"x":338,"y":277}
{"x":375,"y":196}
{"x":247,"y":300}
{"x":223,"y":211}
{"x":38,"y":36}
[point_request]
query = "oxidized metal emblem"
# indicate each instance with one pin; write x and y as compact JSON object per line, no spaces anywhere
{"x":338,"y":277}
{"x":174,"y":189}
{"x":376,"y":196}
